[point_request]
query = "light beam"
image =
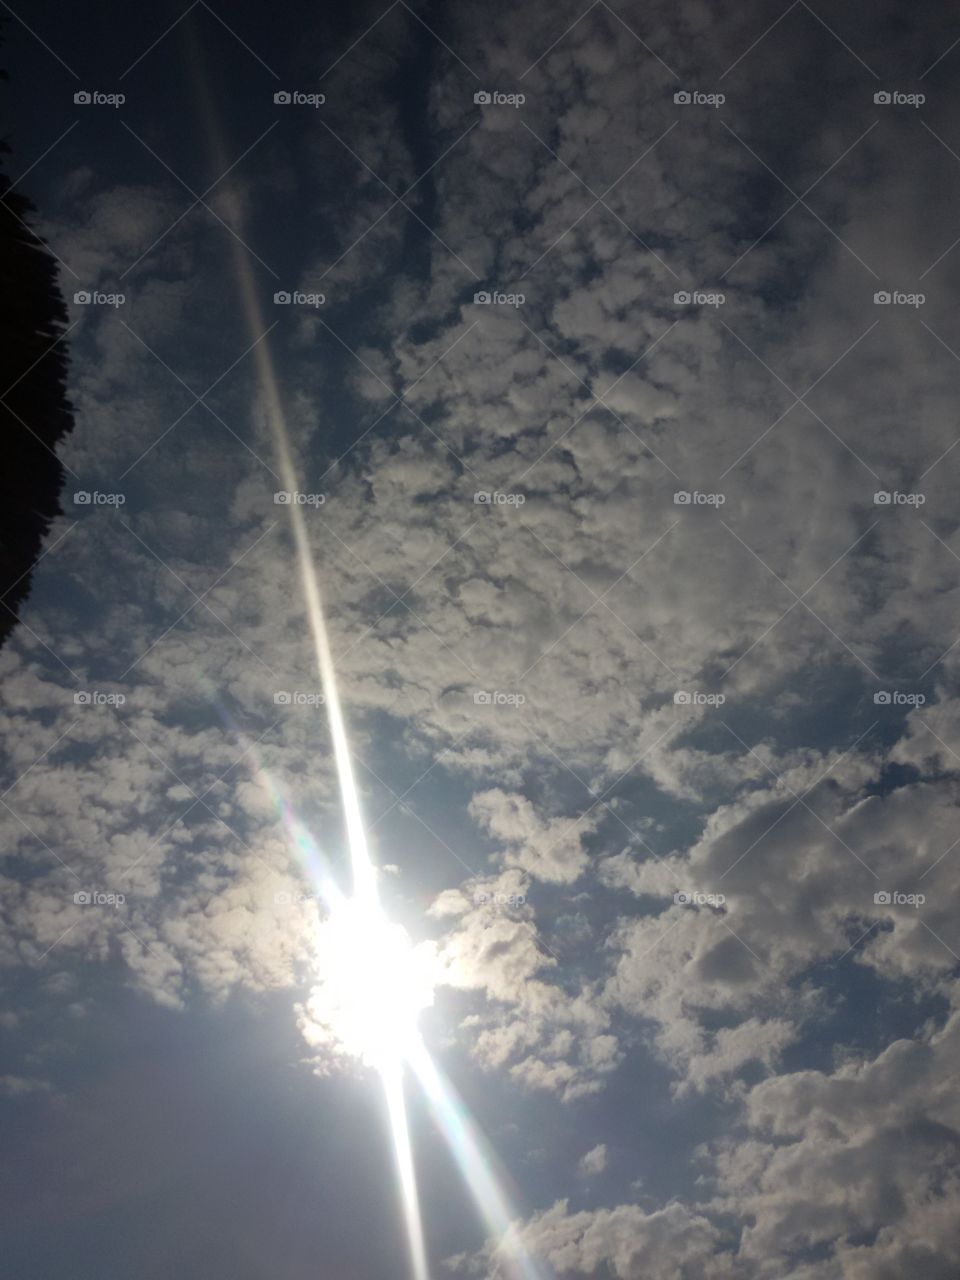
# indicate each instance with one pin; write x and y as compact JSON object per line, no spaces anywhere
{"x":384,"y":1015}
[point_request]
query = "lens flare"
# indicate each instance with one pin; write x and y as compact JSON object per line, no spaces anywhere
{"x":373,"y":987}
{"x":375,"y":984}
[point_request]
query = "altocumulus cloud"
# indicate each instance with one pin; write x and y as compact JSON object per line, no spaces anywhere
{"x":695,"y":892}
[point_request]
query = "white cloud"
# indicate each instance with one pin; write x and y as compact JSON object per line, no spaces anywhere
{"x":550,"y":850}
{"x":594,"y":1160}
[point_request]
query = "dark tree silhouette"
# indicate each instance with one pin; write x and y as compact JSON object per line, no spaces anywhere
{"x":35,"y":413}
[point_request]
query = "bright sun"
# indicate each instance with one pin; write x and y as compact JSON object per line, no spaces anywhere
{"x":376,"y":983}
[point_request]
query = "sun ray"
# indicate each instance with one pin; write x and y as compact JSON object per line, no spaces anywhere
{"x":374,"y":954}
{"x":392,"y":1076}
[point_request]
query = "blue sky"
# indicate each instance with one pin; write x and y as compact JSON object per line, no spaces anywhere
{"x":568,"y":704}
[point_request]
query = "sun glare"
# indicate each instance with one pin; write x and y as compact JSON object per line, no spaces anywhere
{"x":375,"y":985}
{"x":375,"y":982}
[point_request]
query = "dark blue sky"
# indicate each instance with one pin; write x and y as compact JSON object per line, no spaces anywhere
{"x":571,"y":696}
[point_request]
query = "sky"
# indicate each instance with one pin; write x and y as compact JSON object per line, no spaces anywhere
{"x":618,"y":356}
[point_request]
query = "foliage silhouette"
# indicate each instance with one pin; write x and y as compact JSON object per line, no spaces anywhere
{"x":35,"y":413}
